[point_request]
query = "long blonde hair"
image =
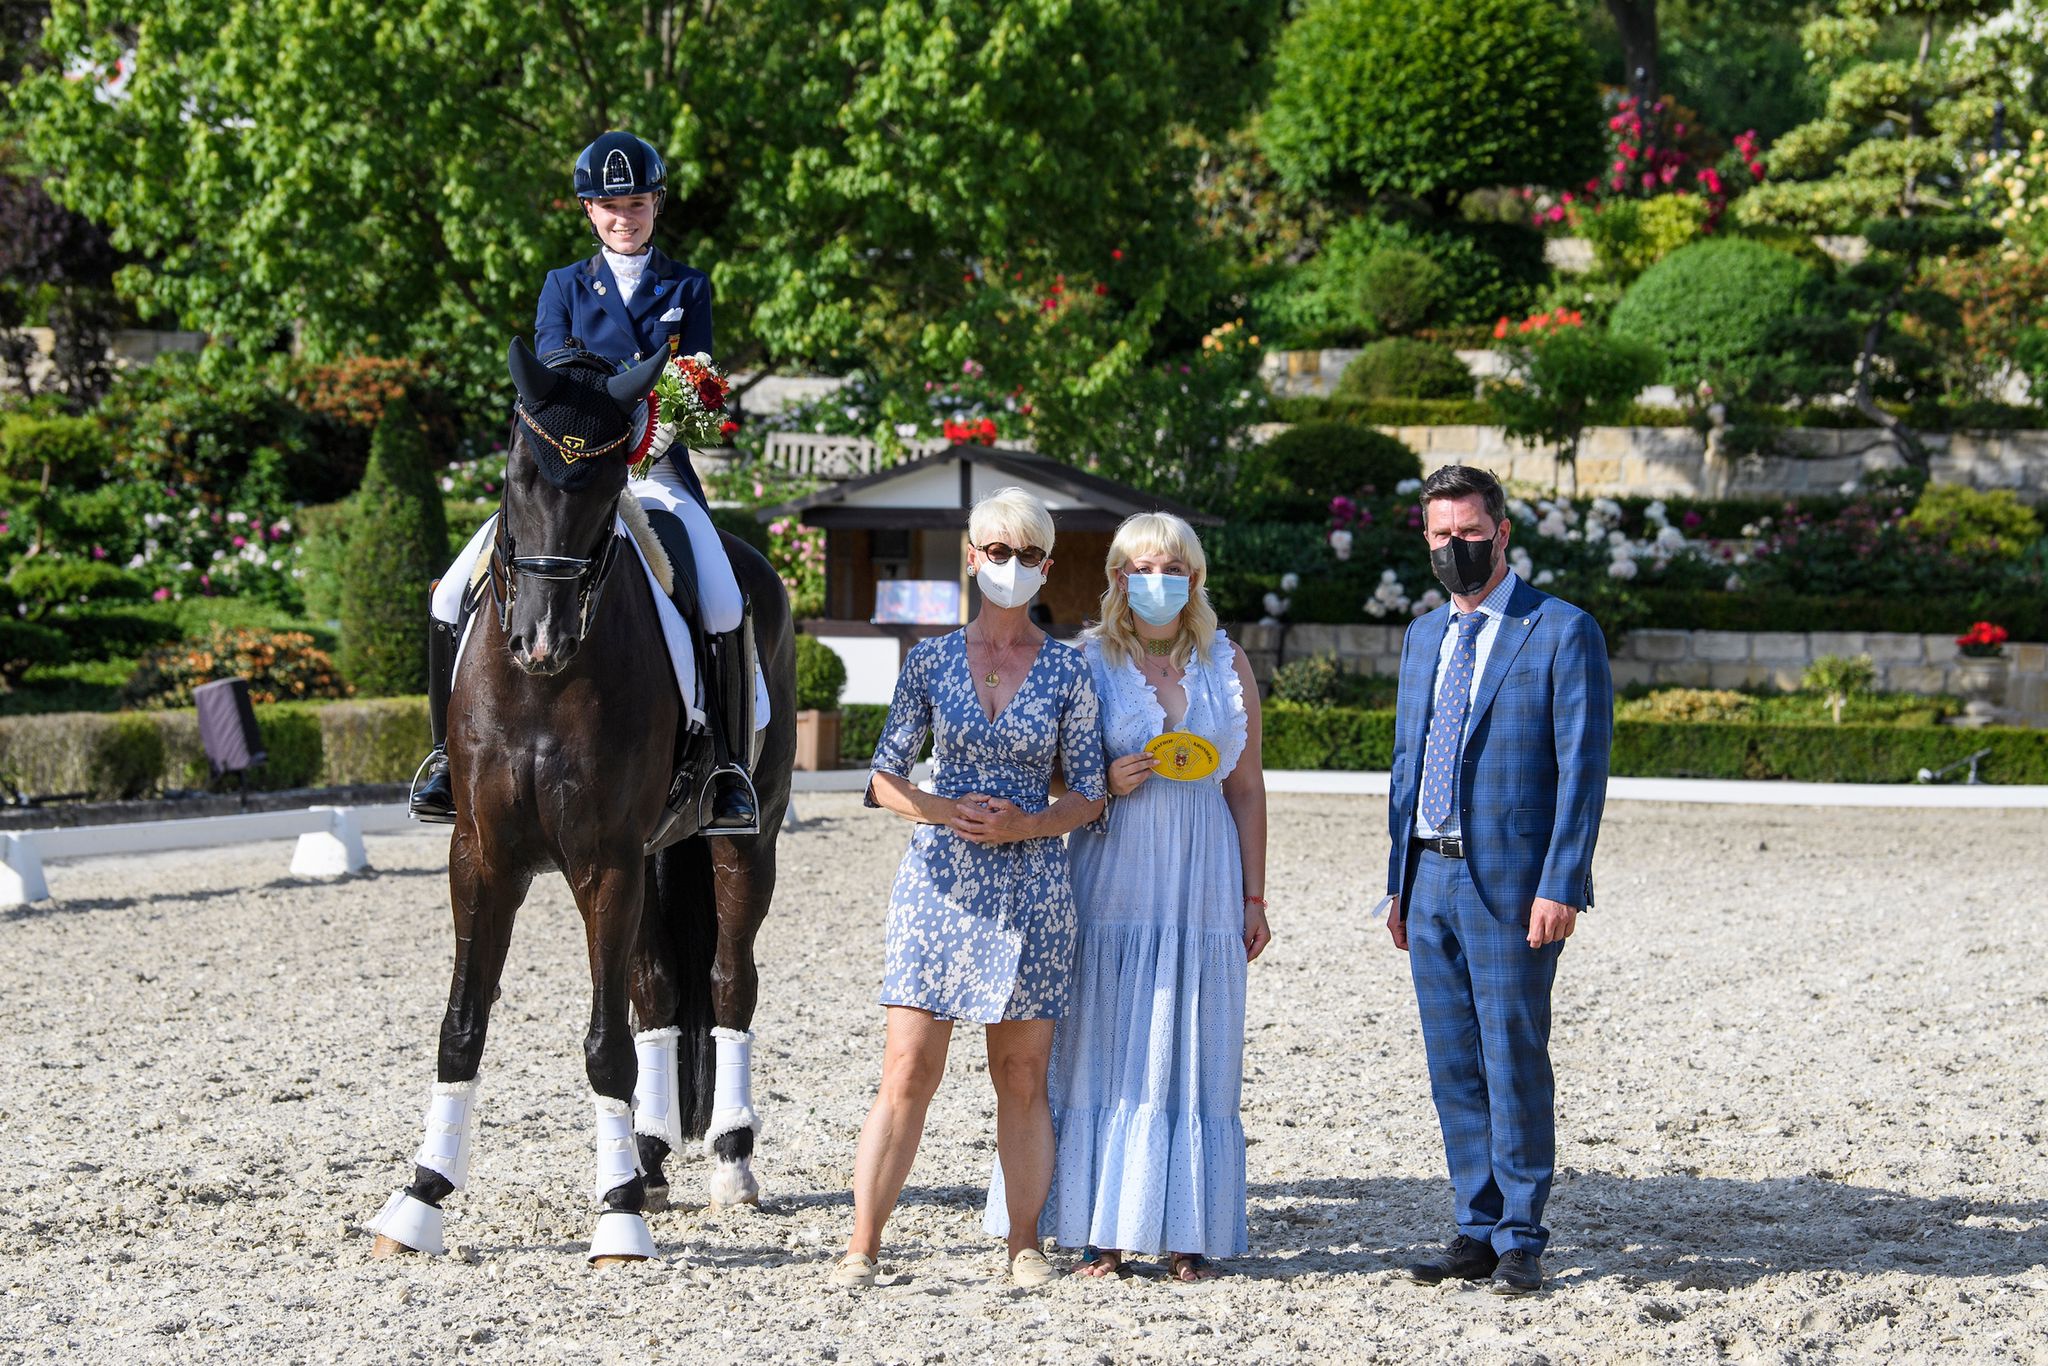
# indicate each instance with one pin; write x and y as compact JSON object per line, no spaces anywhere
{"x":1154,"y":533}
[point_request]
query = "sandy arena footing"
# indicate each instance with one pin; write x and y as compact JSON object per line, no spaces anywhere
{"x":1799,"y":1054}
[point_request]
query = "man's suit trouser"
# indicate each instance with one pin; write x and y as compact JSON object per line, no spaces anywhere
{"x":1484,"y":996}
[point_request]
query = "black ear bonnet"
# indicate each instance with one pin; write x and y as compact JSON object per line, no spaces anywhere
{"x":577,"y":410}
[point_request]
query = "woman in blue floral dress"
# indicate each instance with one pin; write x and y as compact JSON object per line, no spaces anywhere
{"x":981,"y":922}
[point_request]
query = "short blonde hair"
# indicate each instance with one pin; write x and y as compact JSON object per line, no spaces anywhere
{"x":1154,"y":533}
{"x":1012,"y":516}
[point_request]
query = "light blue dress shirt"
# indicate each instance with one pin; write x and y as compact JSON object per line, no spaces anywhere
{"x":1494,"y":609}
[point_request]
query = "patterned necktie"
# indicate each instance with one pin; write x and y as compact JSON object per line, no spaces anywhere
{"x":1440,"y":753}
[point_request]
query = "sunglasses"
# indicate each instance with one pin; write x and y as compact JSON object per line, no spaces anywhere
{"x":1030,"y":556}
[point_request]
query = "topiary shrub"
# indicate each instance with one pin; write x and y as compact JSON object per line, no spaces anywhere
{"x":1313,"y":682}
{"x":281,"y":666}
{"x":24,"y":645}
{"x":1398,"y":289}
{"x":820,"y":675}
{"x":1708,"y":309}
{"x":42,"y":585}
{"x":1631,"y":235}
{"x":1402,"y":367}
{"x":397,"y":543}
{"x":1296,"y":474}
{"x":1486,"y":270}
{"x":1433,"y":98}
{"x":1992,"y":523}
{"x":110,"y":633}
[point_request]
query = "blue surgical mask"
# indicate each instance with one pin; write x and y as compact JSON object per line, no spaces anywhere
{"x":1156,"y":598}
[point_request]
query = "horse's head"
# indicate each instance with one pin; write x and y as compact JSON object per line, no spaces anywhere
{"x":571,"y":444}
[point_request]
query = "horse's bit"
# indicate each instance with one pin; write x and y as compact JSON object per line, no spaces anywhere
{"x":590,"y":572}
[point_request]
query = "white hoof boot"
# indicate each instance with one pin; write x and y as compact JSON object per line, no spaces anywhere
{"x":732,"y":1183}
{"x":621,"y":1236}
{"x":411,"y":1223}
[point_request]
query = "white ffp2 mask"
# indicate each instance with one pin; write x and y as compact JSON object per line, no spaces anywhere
{"x":1009,"y":584}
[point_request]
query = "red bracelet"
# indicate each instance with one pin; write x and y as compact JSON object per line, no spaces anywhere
{"x":1258,"y":901}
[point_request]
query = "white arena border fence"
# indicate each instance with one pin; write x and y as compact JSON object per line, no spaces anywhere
{"x":330,"y":838}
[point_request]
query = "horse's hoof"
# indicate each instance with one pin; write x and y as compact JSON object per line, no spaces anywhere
{"x":655,"y":1199}
{"x":732,"y":1184}
{"x":386,"y":1247}
{"x":621,"y":1236}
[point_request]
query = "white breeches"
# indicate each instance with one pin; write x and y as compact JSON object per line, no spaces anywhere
{"x":446,"y":605}
{"x":718,"y":591}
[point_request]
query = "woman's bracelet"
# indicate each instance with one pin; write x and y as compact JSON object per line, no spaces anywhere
{"x":1258,"y":901}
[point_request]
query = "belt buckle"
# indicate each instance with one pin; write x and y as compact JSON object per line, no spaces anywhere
{"x":1451,"y":846}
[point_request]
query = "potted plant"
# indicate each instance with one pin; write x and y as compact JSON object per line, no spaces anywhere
{"x":1983,"y":667}
{"x":820,"y":678}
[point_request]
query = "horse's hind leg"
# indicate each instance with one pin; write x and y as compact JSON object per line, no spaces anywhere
{"x":744,"y":884}
{"x":485,"y":905}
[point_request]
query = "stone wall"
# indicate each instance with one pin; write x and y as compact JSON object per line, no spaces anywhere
{"x":1664,"y":462}
{"x":1698,"y":659}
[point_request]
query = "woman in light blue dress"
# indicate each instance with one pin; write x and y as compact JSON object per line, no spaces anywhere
{"x":1148,"y":1064}
{"x":982,"y":921}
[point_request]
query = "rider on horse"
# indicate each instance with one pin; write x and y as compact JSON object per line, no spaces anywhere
{"x":622,"y":305}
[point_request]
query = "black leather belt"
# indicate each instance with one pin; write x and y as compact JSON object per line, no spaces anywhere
{"x":1451,"y":846}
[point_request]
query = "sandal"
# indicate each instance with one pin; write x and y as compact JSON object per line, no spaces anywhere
{"x":1100,"y":1262}
{"x":856,"y":1270}
{"x":1191,"y":1267}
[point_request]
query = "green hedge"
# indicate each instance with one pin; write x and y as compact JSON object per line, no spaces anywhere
{"x":112,"y":756}
{"x":1683,"y":609}
{"x":1344,"y":738}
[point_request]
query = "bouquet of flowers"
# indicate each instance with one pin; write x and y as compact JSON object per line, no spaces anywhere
{"x":689,"y":406}
{"x":1983,"y":640}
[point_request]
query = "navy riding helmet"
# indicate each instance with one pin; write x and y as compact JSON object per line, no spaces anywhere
{"x":620,"y":164}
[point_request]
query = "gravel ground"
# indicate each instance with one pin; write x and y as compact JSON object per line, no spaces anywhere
{"x":1799,"y":1056}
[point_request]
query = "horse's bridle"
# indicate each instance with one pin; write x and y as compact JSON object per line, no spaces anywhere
{"x":589,"y":572}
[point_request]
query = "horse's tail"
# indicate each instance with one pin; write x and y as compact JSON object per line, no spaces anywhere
{"x":688,"y":943}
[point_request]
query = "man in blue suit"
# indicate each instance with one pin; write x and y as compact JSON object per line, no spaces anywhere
{"x":1501,"y":737}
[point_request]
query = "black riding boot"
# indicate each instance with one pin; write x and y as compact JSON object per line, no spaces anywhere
{"x":433,"y":797}
{"x":729,"y":714}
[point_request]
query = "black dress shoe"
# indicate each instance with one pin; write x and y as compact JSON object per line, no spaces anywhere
{"x":1519,"y":1273}
{"x":1466,"y":1259}
{"x":733,"y":810}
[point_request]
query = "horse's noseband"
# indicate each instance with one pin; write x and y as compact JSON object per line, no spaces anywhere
{"x":588,"y":572}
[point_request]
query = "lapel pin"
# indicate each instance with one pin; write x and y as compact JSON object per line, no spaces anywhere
{"x":600,"y":286}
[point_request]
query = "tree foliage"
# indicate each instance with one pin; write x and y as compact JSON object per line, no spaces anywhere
{"x":1431,"y":99}
{"x":841,"y":169}
{"x":1893,"y":137}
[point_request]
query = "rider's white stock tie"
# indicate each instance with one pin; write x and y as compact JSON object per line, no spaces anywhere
{"x":656,"y":1111}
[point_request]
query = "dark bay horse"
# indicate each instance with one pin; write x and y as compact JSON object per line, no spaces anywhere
{"x":563,"y":732}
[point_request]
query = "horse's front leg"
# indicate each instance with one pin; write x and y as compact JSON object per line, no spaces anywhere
{"x":486,"y":900}
{"x":744,"y":884}
{"x":610,"y":897}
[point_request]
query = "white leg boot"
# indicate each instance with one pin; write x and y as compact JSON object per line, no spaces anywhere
{"x":657,"y":1105}
{"x":621,"y":1235}
{"x":408,"y":1221}
{"x":732,"y":1109}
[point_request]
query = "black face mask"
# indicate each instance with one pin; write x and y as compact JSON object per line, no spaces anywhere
{"x":1463,"y":566}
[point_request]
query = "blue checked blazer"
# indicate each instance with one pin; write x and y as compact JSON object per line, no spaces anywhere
{"x":1533,"y":776}
{"x":582,"y":301}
